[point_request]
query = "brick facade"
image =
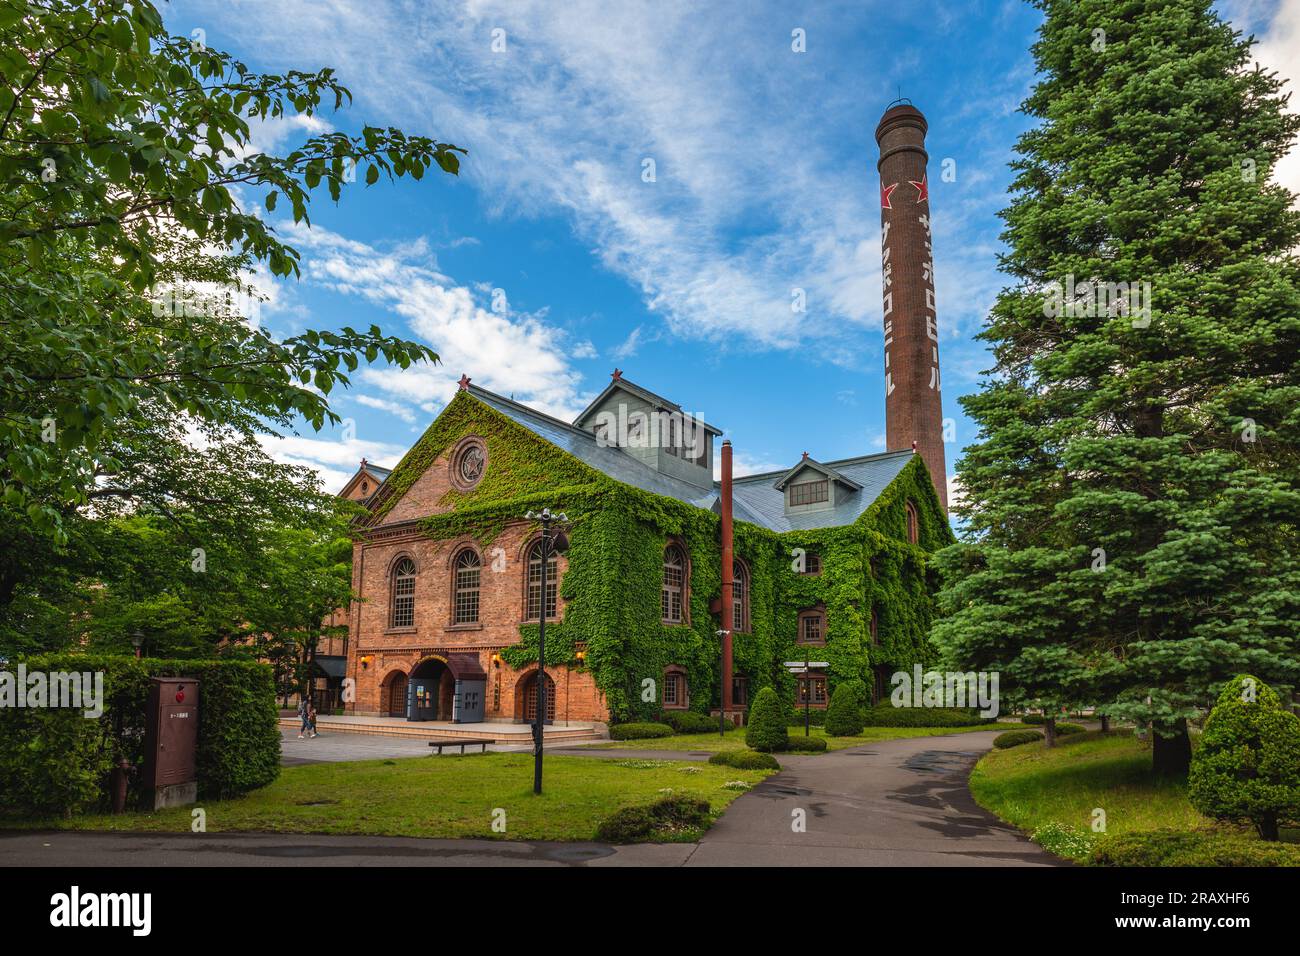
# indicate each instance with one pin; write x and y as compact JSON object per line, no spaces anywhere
{"x":380,"y":652}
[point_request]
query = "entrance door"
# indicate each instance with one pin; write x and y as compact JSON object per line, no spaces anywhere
{"x":530,"y":700}
{"x":422,"y":698}
{"x":397,"y":695}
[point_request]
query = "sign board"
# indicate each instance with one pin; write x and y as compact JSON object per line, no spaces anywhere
{"x":800,"y":665}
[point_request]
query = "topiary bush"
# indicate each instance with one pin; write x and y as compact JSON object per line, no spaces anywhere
{"x":672,"y":818}
{"x":1170,"y":847}
{"x":807,"y":745}
{"x":844,"y":715}
{"x":766,"y":729}
{"x":1065,"y":730}
{"x":640,"y":731}
{"x":1034,"y":720}
{"x":690,"y":722}
{"x":1248,"y":764}
{"x":745,"y":760}
{"x":58,"y":761}
{"x":1015,"y":738}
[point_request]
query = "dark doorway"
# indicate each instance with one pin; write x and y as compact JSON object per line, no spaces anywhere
{"x":395,"y":696}
{"x":429,"y":696}
{"x":528,"y":694}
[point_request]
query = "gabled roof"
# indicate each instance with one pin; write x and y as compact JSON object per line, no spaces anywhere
{"x":366,"y":469}
{"x":830,"y":473}
{"x":754,"y":499}
{"x":658,"y":401}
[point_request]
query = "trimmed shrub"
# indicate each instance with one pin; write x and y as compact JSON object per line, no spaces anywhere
{"x":57,"y":761}
{"x":1034,"y":720}
{"x":1015,"y":738}
{"x":643,"y":731}
{"x":745,"y":760}
{"x":690,"y":722}
{"x":844,"y":715}
{"x":1248,"y":764}
{"x":888,"y":716}
{"x":806,"y":745}
{"x":1065,"y":730}
{"x":766,"y":729}
{"x":670,"y":818}
{"x":1171,"y":847}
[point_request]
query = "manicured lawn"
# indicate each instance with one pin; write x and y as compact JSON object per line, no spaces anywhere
{"x":450,"y":796}
{"x":1031,"y":786}
{"x":735,"y":739}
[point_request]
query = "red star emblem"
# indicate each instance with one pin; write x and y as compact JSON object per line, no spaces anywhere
{"x":922,"y":189}
{"x":464,"y":382}
{"x":885,"y":192}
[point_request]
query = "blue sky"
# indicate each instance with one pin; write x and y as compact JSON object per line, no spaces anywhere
{"x":765,"y":182}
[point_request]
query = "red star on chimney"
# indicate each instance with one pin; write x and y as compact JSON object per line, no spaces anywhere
{"x":618,"y":374}
{"x":464,"y":382}
{"x":885,"y":193}
{"x":922,"y":189}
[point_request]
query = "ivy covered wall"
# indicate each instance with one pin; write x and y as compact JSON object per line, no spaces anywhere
{"x":615,"y":564}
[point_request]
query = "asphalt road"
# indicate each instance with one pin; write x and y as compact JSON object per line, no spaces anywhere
{"x":893,"y":803}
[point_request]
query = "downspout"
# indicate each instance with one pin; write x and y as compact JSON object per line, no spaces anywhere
{"x":728,"y":586}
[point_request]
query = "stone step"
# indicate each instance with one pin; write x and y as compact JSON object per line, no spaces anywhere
{"x":519,"y":734}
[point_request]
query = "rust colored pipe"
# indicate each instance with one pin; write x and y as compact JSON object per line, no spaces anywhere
{"x":728,"y":586}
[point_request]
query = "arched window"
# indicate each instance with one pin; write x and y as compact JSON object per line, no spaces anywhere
{"x":465,"y":599}
{"x":911,"y":523}
{"x":740,"y":597}
{"x":402,"y":603}
{"x":812,"y":626}
{"x":674,"y":589}
{"x":533,"y":605}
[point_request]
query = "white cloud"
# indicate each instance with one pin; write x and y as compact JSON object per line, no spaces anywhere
{"x":514,"y":353}
{"x":384,"y":405}
{"x":335,"y":460}
{"x":1279,"y":49}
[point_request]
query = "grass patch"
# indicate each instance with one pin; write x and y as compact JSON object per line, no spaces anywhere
{"x":450,"y":796}
{"x":1052,"y":793}
{"x":735,"y":739}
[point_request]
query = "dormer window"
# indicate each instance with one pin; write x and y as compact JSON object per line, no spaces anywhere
{"x":809,"y":492}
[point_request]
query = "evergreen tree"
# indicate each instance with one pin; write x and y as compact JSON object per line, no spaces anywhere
{"x":1131,"y":501}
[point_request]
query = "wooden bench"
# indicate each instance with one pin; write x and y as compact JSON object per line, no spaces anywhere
{"x":461,"y":742}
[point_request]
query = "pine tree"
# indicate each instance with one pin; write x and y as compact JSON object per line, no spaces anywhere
{"x":1131,"y":501}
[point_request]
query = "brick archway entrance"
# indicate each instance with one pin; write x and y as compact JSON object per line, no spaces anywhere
{"x":393,"y":694}
{"x":526,"y":699}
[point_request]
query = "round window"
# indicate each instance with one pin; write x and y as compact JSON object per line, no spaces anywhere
{"x":468,"y":463}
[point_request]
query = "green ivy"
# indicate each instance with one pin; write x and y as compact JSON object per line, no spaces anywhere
{"x":615,"y":563}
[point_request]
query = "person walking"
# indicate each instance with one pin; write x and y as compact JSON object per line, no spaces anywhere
{"x":304,"y":714}
{"x":311,"y":718}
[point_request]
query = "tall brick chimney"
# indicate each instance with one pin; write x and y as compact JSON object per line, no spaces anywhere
{"x":913,"y":409}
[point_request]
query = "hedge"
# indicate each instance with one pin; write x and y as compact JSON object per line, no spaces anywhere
{"x":1171,"y":847}
{"x":745,"y":760}
{"x":1015,"y":738}
{"x":808,"y":745}
{"x":887,"y":716}
{"x":639,"y":731}
{"x":57,"y":761}
{"x":690,"y":722}
{"x":1066,"y":730}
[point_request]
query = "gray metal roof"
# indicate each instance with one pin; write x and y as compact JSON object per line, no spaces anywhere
{"x":754,"y":499}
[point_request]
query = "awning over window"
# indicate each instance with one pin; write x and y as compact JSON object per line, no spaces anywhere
{"x":333,"y":667}
{"x":466,"y":667}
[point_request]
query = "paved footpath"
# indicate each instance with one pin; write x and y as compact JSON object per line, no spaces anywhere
{"x":892,"y":803}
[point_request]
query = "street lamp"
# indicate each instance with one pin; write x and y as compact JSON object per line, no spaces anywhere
{"x":721,"y":635}
{"x":137,"y":641}
{"x":550,"y":546}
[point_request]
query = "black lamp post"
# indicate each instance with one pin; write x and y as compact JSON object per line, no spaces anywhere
{"x":550,"y":546}
{"x":137,"y":641}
